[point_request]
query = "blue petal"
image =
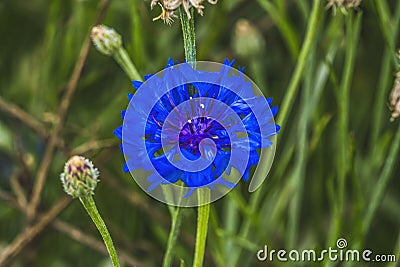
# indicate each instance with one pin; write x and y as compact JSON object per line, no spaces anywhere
{"x":274,"y":110}
{"x":126,"y":168}
{"x":148,"y":76}
{"x":239,"y":97}
{"x":136,"y":84}
{"x":118,"y":132}
{"x":246,"y":174}
{"x":229,"y":63}
{"x":153,"y":186}
{"x":170,"y":62}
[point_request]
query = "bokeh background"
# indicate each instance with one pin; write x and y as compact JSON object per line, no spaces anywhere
{"x":335,"y":175}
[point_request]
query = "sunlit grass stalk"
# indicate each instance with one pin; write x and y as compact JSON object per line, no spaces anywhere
{"x":281,"y":19}
{"x":385,"y":77}
{"x":297,"y":182}
{"x":322,"y":74}
{"x":389,"y":30}
{"x":231,"y":215}
{"x":381,"y":185}
{"x":288,"y":100}
{"x":300,"y":67}
{"x":343,"y":100}
{"x":379,"y":101}
{"x":203,"y":214}
{"x":396,"y":252}
{"x":137,"y":46}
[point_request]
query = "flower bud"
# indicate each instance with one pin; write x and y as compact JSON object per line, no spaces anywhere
{"x":79,"y":178}
{"x":247,"y":39}
{"x":106,"y":39}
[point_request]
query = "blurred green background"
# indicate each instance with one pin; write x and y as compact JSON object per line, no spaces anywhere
{"x":336,"y":171}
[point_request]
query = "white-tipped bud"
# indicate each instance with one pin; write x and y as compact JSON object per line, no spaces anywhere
{"x":79,"y":178}
{"x":106,"y":39}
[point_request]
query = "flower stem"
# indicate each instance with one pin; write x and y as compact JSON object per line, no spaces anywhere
{"x":203,"y":215}
{"x":123,"y":59}
{"x":301,"y":63}
{"x":382,"y":183}
{"x":189,"y":43}
{"x":175,"y":225}
{"x":90,"y":206}
{"x":189,"y":37}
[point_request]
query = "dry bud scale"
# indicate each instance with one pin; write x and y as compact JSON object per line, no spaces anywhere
{"x":395,"y":96}
{"x":168,"y":7}
{"x":343,"y":5}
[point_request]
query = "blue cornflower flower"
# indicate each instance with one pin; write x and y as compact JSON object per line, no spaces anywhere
{"x":193,"y":126}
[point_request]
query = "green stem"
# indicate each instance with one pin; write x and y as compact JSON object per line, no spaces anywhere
{"x":203,"y":215}
{"x":298,"y":73}
{"x":176,"y":218}
{"x":382,"y":183}
{"x":385,"y":74}
{"x":189,"y":43}
{"x":396,"y":252}
{"x":90,"y":206}
{"x":123,"y":59}
{"x":388,"y":27}
{"x":297,"y":180}
{"x":282,"y":21}
{"x":343,"y":96}
{"x":189,"y":37}
{"x":173,"y":235}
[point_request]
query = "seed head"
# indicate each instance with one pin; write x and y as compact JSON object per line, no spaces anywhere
{"x":106,"y":39}
{"x":395,"y":98}
{"x":79,"y":178}
{"x":343,"y":5}
{"x":168,"y":7}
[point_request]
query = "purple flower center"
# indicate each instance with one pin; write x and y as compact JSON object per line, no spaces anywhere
{"x":197,"y":129}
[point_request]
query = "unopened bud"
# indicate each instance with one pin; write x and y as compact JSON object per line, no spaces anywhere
{"x":79,"y":178}
{"x":106,"y":39}
{"x":247,"y":40}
